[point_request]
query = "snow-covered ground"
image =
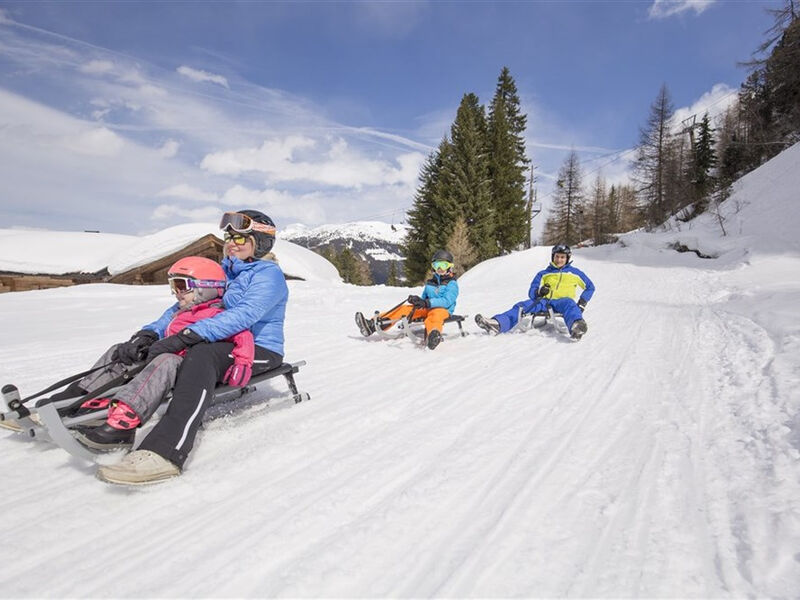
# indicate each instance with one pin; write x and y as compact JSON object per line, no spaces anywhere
{"x":658,"y":457}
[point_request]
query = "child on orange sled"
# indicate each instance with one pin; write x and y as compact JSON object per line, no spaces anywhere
{"x":435,"y":305}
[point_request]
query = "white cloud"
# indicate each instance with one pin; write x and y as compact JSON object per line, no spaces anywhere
{"x":165,"y":212}
{"x":715,"y":102}
{"x":169,"y":148}
{"x":661,"y":9}
{"x":188,"y":192}
{"x":201,"y":76}
{"x":4,"y":18}
{"x":280,"y":205}
{"x":97,"y":67}
{"x":337,"y":165}
{"x":99,"y":141}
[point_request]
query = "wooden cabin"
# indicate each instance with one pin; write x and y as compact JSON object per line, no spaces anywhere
{"x":152,"y":273}
{"x":155,"y":272}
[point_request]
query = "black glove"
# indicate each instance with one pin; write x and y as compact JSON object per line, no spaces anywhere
{"x":174,"y":343}
{"x":134,"y":349}
{"x":418,"y":302}
{"x":543,"y":291}
{"x":581,"y":304}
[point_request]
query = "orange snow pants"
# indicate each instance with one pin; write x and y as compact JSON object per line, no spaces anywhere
{"x":434,"y":317}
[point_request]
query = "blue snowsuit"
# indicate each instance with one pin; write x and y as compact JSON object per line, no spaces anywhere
{"x":563,"y":284}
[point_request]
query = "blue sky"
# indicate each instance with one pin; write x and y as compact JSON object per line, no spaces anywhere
{"x":131,"y":116}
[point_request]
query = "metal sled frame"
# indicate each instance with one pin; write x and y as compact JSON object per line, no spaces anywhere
{"x":53,"y":428}
{"x":404,"y":328}
{"x":538,"y":320}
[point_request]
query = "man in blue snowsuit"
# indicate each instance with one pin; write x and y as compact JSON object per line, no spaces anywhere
{"x":554,"y":286}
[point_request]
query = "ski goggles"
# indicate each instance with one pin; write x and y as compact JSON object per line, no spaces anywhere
{"x":181,"y":285}
{"x":441,"y":265}
{"x":237,"y":238}
{"x":232,"y":221}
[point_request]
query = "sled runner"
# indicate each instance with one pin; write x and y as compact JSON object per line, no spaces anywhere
{"x":50,"y":421}
{"x":413,"y":329}
{"x":539,"y":320}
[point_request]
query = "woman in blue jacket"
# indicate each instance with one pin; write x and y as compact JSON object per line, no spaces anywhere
{"x":255,"y":299}
{"x":435,"y":305}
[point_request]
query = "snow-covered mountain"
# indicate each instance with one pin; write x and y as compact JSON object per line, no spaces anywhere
{"x":658,"y":457}
{"x":374,"y":241}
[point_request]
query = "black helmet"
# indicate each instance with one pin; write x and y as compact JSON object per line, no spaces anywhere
{"x":256,"y":225}
{"x":560,"y":249}
{"x":442,"y":255}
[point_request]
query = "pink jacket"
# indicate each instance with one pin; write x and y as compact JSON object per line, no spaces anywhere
{"x":243,"y":345}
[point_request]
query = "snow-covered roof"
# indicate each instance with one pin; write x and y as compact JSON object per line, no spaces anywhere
{"x":61,"y":252}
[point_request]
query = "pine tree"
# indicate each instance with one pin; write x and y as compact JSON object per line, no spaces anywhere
{"x":464,"y":254}
{"x":629,"y":214}
{"x":653,"y":154}
{"x":424,"y":218}
{"x":704,"y":159}
{"x":507,"y":164}
{"x":597,"y":224}
{"x":564,"y":224}
{"x":393,"y":280}
{"x":466,"y":176}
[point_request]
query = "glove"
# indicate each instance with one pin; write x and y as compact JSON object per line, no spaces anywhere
{"x":174,"y":343}
{"x":543,"y":291}
{"x":581,"y":304}
{"x":238,"y":374}
{"x":134,"y":349}
{"x":418,"y":302}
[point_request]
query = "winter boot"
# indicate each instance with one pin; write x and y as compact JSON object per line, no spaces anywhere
{"x":578,"y":329}
{"x":119,"y":431}
{"x":366,"y":326}
{"x":105,"y":437}
{"x":488,"y":325}
{"x":434,"y":337}
{"x":140,"y":467}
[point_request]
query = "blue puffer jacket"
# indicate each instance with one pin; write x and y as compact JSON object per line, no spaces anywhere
{"x":442,"y":292}
{"x":255,"y":299}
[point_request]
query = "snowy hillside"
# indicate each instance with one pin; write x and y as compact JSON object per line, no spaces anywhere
{"x":374,"y":241}
{"x":366,"y":231}
{"x":657,"y":457}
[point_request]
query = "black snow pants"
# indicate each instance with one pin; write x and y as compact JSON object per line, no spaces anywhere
{"x":203,"y":366}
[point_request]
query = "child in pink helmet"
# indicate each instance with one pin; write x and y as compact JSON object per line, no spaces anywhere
{"x":198,"y":285}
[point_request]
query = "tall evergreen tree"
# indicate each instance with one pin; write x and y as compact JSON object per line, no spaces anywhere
{"x":466,"y":176}
{"x":507,"y":164}
{"x":424,"y":218}
{"x":564,"y":224}
{"x":653,"y":154}
{"x":464,"y":254}
{"x":704,"y":159}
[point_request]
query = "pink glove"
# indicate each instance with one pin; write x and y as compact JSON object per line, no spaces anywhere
{"x":238,"y":374}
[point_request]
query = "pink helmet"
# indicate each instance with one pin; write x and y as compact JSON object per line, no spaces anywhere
{"x":202,"y":275}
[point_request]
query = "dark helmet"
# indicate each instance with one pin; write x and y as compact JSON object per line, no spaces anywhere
{"x":560,"y":249}
{"x":257,"y":225}
{"x":442,"y":255}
